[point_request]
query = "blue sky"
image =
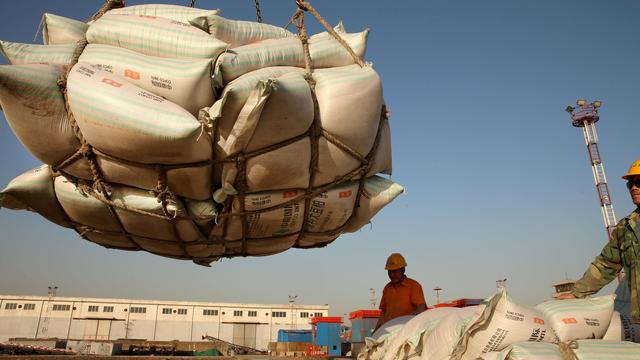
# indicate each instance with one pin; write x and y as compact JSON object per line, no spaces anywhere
{"x":498,"y":183}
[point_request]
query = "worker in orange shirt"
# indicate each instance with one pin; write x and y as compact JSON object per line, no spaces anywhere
{"x":402,"y":295}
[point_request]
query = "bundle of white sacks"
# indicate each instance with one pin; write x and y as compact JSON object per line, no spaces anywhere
{"x":173,"y":95}
{"x":501,"y":329}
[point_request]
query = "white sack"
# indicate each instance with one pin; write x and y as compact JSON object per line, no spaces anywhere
{"x":185,"y":82}
{"x":503,"y":322}
{"x":35,"y":111}
{"x":325,"y":52}
{"x":607,"y":350}
{"x":280,"y":107}
{"x":152,"y":234}
{"x":378,"y":192}
{"x":327,"y":211}
{"x":19,"y":54}
{"x":408,"y":341}
{"x":174,"y":12}
{"x":34,"y":108}
{"x":236,"y":32}
{"x":190,"y":182}
{"x":526,"y":351}
{"x":126,"y":121}
{"x":375,"y":346}
{"x":579,"y":318}
{"x":337,"y":89}
{"x":439,"y":343}
{"x":391,"y":327}
{"x":61,"y":30}
{"x":34,"y":191}
{"x":154,"y":36}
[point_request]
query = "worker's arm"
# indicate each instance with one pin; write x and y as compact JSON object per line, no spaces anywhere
{"x":383,"y":311}
{"x":420,"y":308}
{"x":417,"y":298}
{"x":381,"y":320}
{"x":602,"y":270}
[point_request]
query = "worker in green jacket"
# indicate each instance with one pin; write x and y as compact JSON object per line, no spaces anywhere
{"x":622,"y":251}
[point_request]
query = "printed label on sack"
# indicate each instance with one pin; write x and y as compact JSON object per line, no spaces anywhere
{"x":291,"y":213}
{"x":161,"y":83}
{"x":85,"y":71}
{"x":511,"y":315}
{"x":496,"y":340}
{"x":537,"y":320}
{"x":345,"y":194}
{"x":537,"y":335}
{"x":592,"y":322}
{"x":176,"y":22}
{"x":104,"y":67}
{"x":151,"y":96}
{"x":315,"y":212}
{"x":289,"y":194}
{"x":569,"y":321}
{"x":132,"y":74}
{"x":111,"y":82}
{"x":261,"y":201}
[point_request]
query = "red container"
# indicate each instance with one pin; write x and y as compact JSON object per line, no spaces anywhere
{"x":360,"y":314}
{"x":326,"y":319}
{"x":460,"y":303}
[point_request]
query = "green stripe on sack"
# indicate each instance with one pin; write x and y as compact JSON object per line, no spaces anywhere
{"x":87,"y":90}
{"x":151,"y":38}
{"x":38,"y":83}
{"x":175,"y":12}
{"x":56,"y":23}
{"x":146,"y":126}
{"x":175,"y":68}
{"x":28,"y":53}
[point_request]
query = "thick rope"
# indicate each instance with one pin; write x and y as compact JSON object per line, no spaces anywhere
{"x":35,"y":37}
{"x":108,"y":5}
{"x":298,"y":20}
{"x":306,"y":6}
{"x":566,"y":350}
{"x":241,"y":184}
{"x":342,"y":146}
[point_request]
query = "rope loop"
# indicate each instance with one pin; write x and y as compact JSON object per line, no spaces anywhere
{"x":566,"y":350}
{"x":302,"y":5}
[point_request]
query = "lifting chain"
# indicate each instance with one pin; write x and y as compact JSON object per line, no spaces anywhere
{"x":193,"y":2}
{"x":258,"y":14}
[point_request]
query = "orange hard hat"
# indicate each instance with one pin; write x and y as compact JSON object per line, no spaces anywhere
{"x":395,"y":261}
{"x":633,"y":170}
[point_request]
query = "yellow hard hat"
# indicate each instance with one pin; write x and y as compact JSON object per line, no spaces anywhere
{"x":395,"y":261}
{"x":633,"y":170}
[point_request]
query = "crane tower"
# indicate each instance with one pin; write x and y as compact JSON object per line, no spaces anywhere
{"x":585,"y":116}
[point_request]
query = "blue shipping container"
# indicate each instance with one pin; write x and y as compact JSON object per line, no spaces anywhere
{"x":362,"y":328}
{"x":294,"y":335}
{"x":328,"y":334}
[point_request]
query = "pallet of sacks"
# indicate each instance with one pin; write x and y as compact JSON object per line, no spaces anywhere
{"x":192,"y":136}
{"x":500,"y":328}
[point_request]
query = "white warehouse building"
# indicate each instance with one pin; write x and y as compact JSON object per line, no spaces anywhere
{"x":253,"y":325}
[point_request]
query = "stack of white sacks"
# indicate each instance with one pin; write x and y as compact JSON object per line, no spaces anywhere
{"x":175,"y":95}
{"x":501,"y":329}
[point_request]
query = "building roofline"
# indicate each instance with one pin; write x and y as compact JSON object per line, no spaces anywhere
{"x":160,"y":302}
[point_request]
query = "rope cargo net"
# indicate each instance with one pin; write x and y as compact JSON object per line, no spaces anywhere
{"x":209,"y":232}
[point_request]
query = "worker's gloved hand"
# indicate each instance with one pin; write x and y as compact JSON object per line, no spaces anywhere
{"x":566,"y":296}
